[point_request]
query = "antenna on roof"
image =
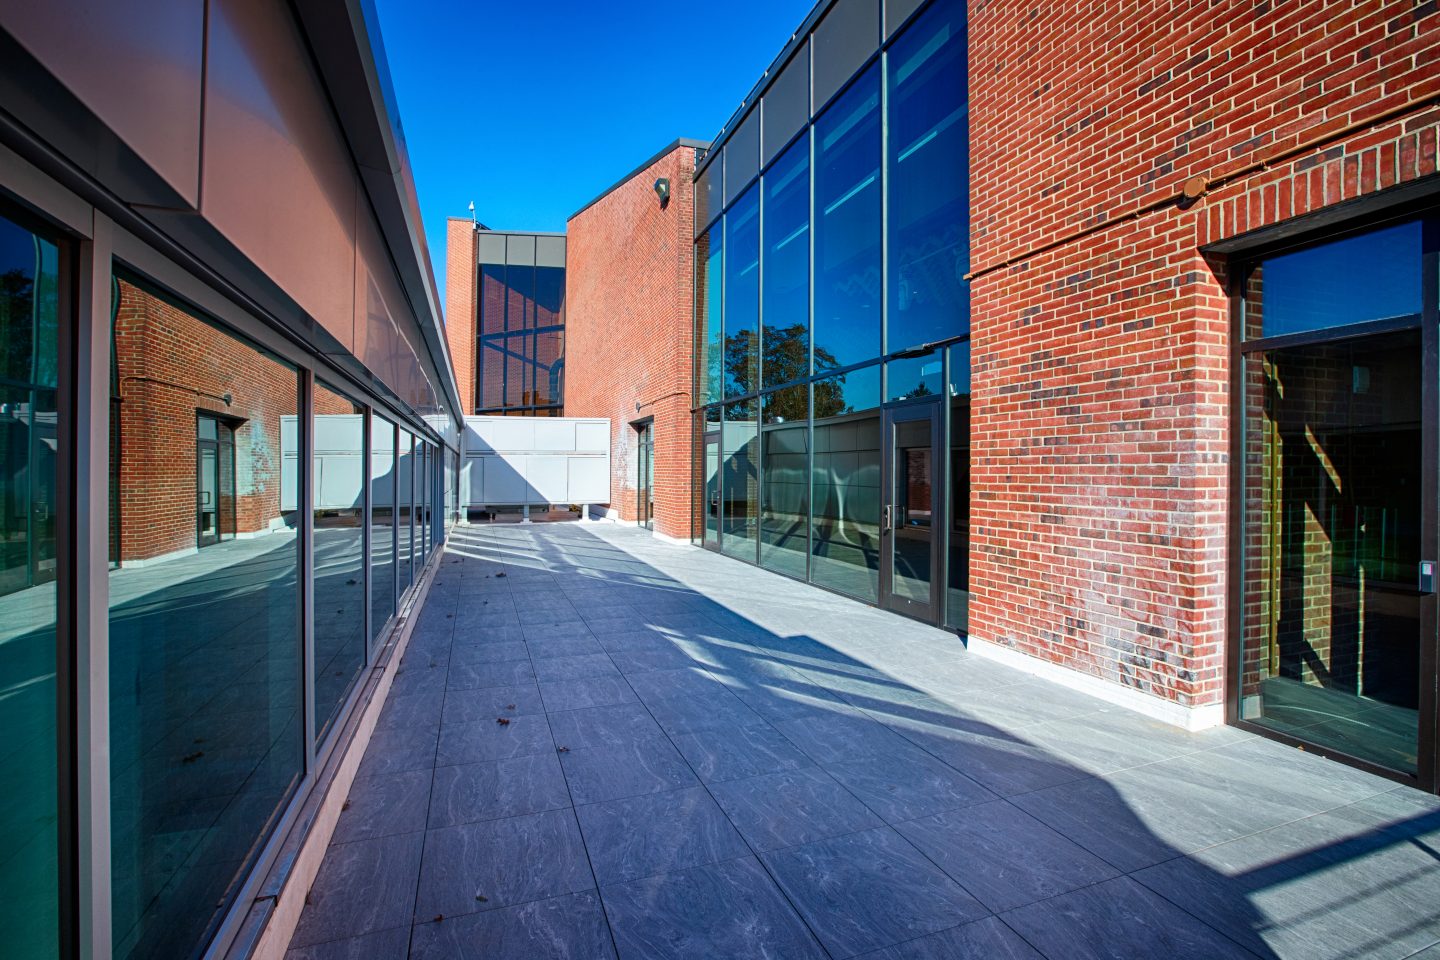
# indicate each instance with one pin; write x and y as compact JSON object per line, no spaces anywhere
{"x":472,"y":212}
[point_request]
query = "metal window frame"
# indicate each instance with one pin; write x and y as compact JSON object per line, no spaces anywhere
{"x":1240,"y":258}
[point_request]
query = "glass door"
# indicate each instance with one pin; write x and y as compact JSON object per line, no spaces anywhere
{"x":909,"y":547}
{"x":645,"y":492}
{"x":207,"y":481}
{"x":712,"y":490}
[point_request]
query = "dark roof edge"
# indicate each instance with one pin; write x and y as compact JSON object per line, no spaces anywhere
{"x":752,"y":98}
{"x":678,"y":143}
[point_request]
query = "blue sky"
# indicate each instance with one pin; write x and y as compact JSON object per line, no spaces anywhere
{"x":532,"y":108}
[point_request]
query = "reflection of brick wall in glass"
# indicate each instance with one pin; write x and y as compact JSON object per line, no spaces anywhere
{"x":520,"y":339}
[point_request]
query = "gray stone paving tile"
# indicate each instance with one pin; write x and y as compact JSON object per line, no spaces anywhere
{"x":590,"y":692}
{"x":507,"y":673}
{"x":907,"y":783}
{"x":497,"y":789}
{"x":659,"y":833}
{"x":385,"y":868}
{"x":379,"y":806}
{"x":746,"y":751}
{"x":498,"y":863}
{"x":868,"y":890}
{"x":681,"y":715}
{"x":987,"y":939}
{"x":567,"y":646}
{"x":792,"y":807}
{"x":1003,"y":856}
{"x":691,"y":681}
{"x":781,"y":697}
{"x":570,"y":927}
{"x":492,"y":740}
{"x":727,"y":909}
{"x":487,"y":703}
{"x":626,"y":636}
{"x":550,"y":669}
{"x":1146,"y":815}
{"x":417,"y":709}
{"x":841,"y":736}
{"x":624,"y":770}
{"x":398,"y":750}
{"x":547,"y":609}
{"x":1358,"y":881}
{"x":609,"y":725}
{"x":487,"y":653}
{"x":392,"y":944}
{"x":664,"y":655}
{"x":418,"y":679}
{"x":1118,"y":920}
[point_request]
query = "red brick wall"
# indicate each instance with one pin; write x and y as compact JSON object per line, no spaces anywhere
{"x":169,"y":367}
{"x":460,"y":313}
{"x":1100,"y":432}
{"x":628,"y":330}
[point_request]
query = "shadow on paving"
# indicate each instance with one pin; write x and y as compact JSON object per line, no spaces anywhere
{"x":599,"y":744}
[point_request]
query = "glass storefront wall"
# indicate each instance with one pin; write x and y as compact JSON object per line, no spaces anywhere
{"x":339,"y":551}
{"x":383,"y":478}
{"x":29,"y":807}
{"x":520,"y":344}
{"x":206,"y":705}
{"x":864,"y":246}
{"x":1333,"y":496}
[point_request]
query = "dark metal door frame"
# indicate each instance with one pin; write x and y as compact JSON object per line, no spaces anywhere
{"x":710,"y":503}
{"x":644,"y":494}
{"x":201,"y":446}
{"x":930,"y":410}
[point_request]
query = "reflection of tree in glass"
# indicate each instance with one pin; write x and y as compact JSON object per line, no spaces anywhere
{"x":16,"y":306}
{"x":787,"y":359}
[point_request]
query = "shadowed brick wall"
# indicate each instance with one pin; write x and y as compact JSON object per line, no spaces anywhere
{"x":629,"y":338}
{"x":1100,"y":431}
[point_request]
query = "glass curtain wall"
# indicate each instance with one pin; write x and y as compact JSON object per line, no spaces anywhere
{"x":520,"y":340}
{"x":404,"y":513}
{"x":1333,"y":495}
{"x":339,"y":551}
{"x":29,"y":805}
{"x":383,"y":480}
{"x":206,"y":733}
{"x":864,"y":248}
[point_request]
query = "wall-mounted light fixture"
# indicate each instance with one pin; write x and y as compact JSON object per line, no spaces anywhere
{"x":662,"y":190}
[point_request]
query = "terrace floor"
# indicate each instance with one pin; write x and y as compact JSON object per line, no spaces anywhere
{"x":601,"y":744}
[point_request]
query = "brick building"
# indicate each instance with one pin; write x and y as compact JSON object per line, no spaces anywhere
{"x":630,"y":344}
{"x":974,"y":290}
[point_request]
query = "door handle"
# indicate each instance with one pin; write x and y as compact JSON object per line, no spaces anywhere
{"x":1427,"y":576}
{"x":886,"y":519}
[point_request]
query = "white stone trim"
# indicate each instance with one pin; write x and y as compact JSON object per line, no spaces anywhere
{"x":1187,"y":718}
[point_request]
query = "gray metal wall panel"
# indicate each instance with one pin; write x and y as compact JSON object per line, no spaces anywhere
{"x":136,"y":65}
{"x":520,"y":250}
{"x":380,"y":311}
{"x":895,"y":13}
{"x":278,"y":181}
{"x":787,"y":103}
{"x":742,"y":155}
{"x":550,"y":251}
{"x":492,"y":248}
{"x":842,"y":42}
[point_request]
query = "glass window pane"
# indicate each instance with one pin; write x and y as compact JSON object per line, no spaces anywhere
{"x":847,"y":227}
{"x":382,"y":524}
{"x":405,"y":467}
{"x":1373,"y":276}
{"x":709,"y":336}
{"x":29,"y":317}
{"x":846,"y":483}
{"x":710,"y":494}
{"x":339,"y":551}
{"x":912,"y":377}
{"x":206,"y":738}
{"x":784,"y":458}
{"x":1332,"y":505}
{"x":738,"y":481}
{"x":787,"y":267}
{"x":929,"y":180}
{"x":742,"y":295}
{"x":519,"y":297}
{"x":957,"y":597}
